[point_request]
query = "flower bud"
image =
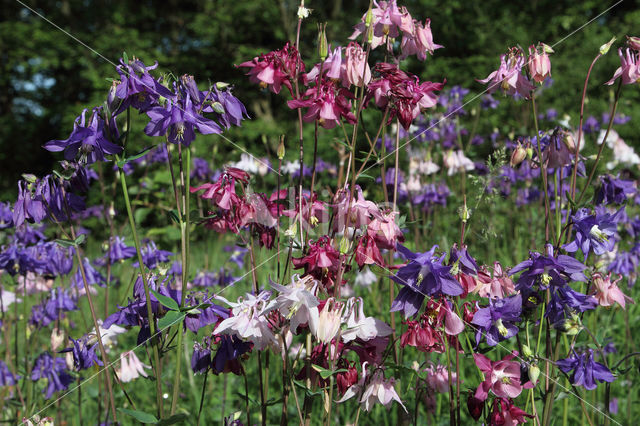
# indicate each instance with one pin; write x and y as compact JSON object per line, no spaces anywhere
{"x":526,"y":351}
{"x":604,"y":49}
{"x":534,"y":373}
{"x":57,"y":339}
{"x":539,"y":63}
{"x":518,"y":155}
{"x":281,"y":151}
{"x":567,"y":139}
{"x":571,"y":326}
{"x":344,"y":246}
{"x":323,"y":50}
{"x":68,"y":358}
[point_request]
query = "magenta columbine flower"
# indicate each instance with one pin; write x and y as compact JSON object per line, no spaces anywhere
{"x":275,"y":69}
{"x":326,"y":103}
{"x":629,"y":69}
{"x":502,"y":377}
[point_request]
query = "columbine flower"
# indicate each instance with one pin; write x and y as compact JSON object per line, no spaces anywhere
{"x":54,"y":370}
{"x":594,"y":232}
{"x":91,"y":140}
{"x":438,"y":378}
{"x":613,"y":190}
{"x":504,"y":413}
{"x":296,"y":300}
{"x":502,"y":378}
{"x":496,"y":321}
{"x":539,"y":64}
{"x":548,"y":270}
{"x":424,"y":275}
{"x":606,"y":292}
{"x":585,"y":370}
{"x":118,"y":250}
{"x":629,"y":68}
{"x":326,"y":103}
{"x":130,"y":367}
{"x":419,"y":42}
{"x":84,"y":356}
{"x":457,"y":162}
{"x":496,"y":285}
{"x":276,"y":68}
{"x":360,"y":326}
{"x":137,"y":88}
{"x":378,"y":390}
{"x":7,"y":378}
{"x":508,"y":76}
{"x":357,"y":69}
{"x":249,"y":320}
{"x":325,"y":323}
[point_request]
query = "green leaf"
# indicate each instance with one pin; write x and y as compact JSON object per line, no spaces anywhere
{"x":125,"y":58}
{"x":171,"y":318}
{"x":166,"y":301}
{"x":140,"y":416}
{"x":124,"y":161}
{"x":362,"y":175}
{"x":324,"y":372}
{"x":176,"y":418}
{"x":80,"y":239}
{"x":173,"y":214}
{"x":71,"y":243}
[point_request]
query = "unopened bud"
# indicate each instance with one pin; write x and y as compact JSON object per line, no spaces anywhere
{"x":68,"y":358}
{"x":518,"y":156}
{"x":57,"y":339}
{"x":571,"y":326}
{"x":604,"y":49}
{"x":281,"y":149}
{"x":526,"y":351}
{"x":534,"y":373}
{"x":323,"y":50}
{"x":529,"y":152}
{"x":465,"y":213}
{"x":344,"y":246}
{"x":567,"y":139}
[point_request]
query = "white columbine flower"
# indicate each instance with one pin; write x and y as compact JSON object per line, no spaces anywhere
{"x":326,"y":323}
{"x":249,"y":320}
{"x":130,"y":367}
{"x":361,"y":326}
{"x":295,"y":300}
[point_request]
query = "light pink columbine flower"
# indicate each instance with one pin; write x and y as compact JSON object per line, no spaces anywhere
{"x":8,"y":298}
{"x":629,"y":67}
{"x":438,"y":378}
{"x":606,"y":292}
{"x":333,"y":67}
{"x":497,"y":285}
{"x":384,"y":230}
{"x":378,"y":390}
{"x":456,"y":161}
{"x":249,"y":320}
{"x":387,"y":21}
{"x":130,"y":367}
{"x":509,"y":77}
{"x":357,"y":69}
{"x":325,"y":323}
{"x":502,"y":378}
{"x":296,"y":300}
{"x":419,"y":42}
{"x":539,"y":63}
{"x":33,"y":283}
{"x":360,"y":326}
{"x":360,"y":211}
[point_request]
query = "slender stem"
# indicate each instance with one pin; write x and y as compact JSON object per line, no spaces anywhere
{"x":204,"y":387}
{"x":145,"y":283}
{"x":543,"y":170}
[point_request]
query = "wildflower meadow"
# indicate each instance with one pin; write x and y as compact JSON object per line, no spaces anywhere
{"x":397,"y":247}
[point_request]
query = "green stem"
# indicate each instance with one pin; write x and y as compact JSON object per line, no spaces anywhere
{"x":543,"y":171}
{"x":145,"y":283}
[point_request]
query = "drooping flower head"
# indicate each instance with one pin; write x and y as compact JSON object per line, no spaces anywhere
{"x":586,"y":371}
{"x":276,"y":68}
{"x":509,"y":77}
{"x":497,"y":321}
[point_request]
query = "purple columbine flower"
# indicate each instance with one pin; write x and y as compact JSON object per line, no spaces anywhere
{"x":6,"y":215}
{"x":431,"y":195}
{"x":208,"y":315}
{"x":200,"y":170}
{"x":201,"y":358}
{"x":91,"y":140}
{"x":54,"y":370}
{"x":237,"y":255}
{"x":585,"y":370}
{"x":462,"y":261}
{"x":7,"y":378}
{"x":59,"y":259}
{"x":625,"y":264}
{"x":565,"y":301}
{"x":16,"y":259}
{"x":595,"y":232}
{"x":92,"y":275}
{"x":137,"y":88}
{"x":424,"y":275}
{"x":591,"y":125}
{"x":614,"y":190}
{"x":178,"y":119}
{"x":118,"y":250}
{"x":548,"y":270}
{"x":496,"y":321}
{"x":30,"y":204}
{"x":84,"y":356}
{"x":230,"y":349}
{"x":151,"y":256}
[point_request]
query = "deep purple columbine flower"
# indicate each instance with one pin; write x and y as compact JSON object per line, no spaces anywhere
{"x":208,"y":315}
{"x":237,"y":254}
{"x":200,"y":170}
{"x":548,"y":270}
{"x":496,"y":321}
{"x":7,"y":378}
{"x":54,"y":370}
{"x":595,"y":232}
{"x":461,"y":260}
{"x":91,"y":140}
{"x":151,"y":256}
{"x":201,"y":358}
{"x":585,"y":370}
{"x":84,"y":356}
{"x":424,"y":275}
{"x":614,"y":190}
{"x":230,"y":349}
{"x":6,"y":215}
{"x":59,"y":260}
{"x":137,"y":88}
{"x":178,"y":119}
{"x":565,"y":301}
{"x":591,"y":125}
{"x":30,"y":204}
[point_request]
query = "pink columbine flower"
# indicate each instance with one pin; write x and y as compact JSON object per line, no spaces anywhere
{"x":381,"y":391}
{"x":629,"y":67}
{"x":438,"y":378}
{"x":606,"y":292}
{"x":276,"y":68}
{"x":333,"y":67}
{"x":387,"y":21}
{"x":384,"y":230}
{"x":360,"y":326}
{"x":419,"y":42}
{"x":326,"y":103}
{"x":634,"y":43}
{"x":509,"y":77}
{"x":249,"y":320}
{"x":357,"y":70}
{"x":539,"y":63}
{"x":498,"y":285}
{"x":130,"y":367}
{"x":456,"y":161}
{"x":502,"y":378}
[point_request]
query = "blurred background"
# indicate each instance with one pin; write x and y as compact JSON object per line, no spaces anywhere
{"x":47,"y":78}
